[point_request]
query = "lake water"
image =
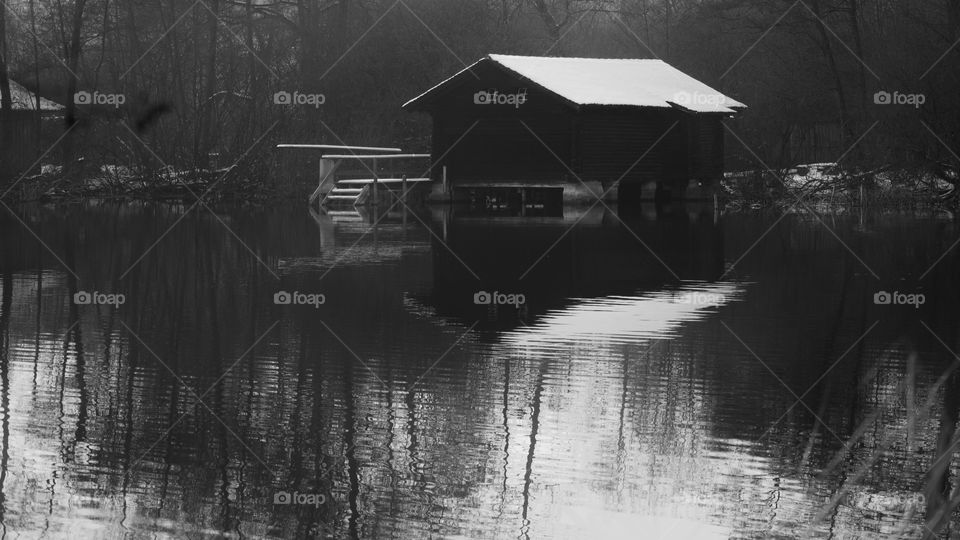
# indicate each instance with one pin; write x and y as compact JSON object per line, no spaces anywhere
{"x":663,"y":373}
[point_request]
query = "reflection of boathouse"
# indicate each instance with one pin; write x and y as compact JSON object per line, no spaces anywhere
{"x":543,"y":129}
{"x":551,"y":260}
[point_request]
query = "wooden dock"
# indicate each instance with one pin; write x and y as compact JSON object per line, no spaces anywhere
{"x":361,"y":191}
{"x":357,"y":191}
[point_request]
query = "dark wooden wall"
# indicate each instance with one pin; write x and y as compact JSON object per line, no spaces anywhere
{"x":705,"y":144}
{"x":504,"y":149}
{"x":641,"y":145}
{"x":501,"y":142}
{"x":612,"y":143}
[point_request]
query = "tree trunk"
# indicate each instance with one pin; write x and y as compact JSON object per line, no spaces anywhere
{"x":853,"y":14}
{"x":846,"y":132}
{"x":953,"y":14}
{"x":36,"y":58}
{"x":73,"y":81}
{"x":553,"y":29}
{"x":208,"y":103}
{"x":6,"y":100}
{"x":6,"y":107}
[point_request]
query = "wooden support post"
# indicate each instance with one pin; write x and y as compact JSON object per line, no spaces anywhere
{"x":446,"y":219}
{"x":326,"y":170}
{"x":403,"y":189}
{"x":376,"y":194}
{"x":445,"y":186}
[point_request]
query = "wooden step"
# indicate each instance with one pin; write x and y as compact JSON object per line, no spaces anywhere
{"x":345,"y":216}
{"x":345,"y":191}
{"x":348,"y":181}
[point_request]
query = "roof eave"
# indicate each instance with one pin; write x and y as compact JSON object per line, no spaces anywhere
{"x":729,"y":110}
{"x":415,"y":103}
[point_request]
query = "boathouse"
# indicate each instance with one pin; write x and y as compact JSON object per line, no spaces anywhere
{"x":550,"y":129}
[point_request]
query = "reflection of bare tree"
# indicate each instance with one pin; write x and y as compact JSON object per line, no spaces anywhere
{"x":76,"y":336}
{"x":349,"y":441}
{"x":941,"y":491}
{"x":829,"y":352}
{"x":506,"y":434}
{"x":622,"y":417}
{"x":941,"y":498}
{"x":528,"y":468}
{"x":5,"y":304}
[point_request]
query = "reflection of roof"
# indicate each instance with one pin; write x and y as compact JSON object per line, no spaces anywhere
{"x":25,"y":100}
{"x":625,"y":319}
{"x":606,"y":81}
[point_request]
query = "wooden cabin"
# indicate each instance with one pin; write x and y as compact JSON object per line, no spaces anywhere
{"x":545,"y":129}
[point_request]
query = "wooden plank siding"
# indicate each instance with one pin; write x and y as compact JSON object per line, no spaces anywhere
{"x":505,"y":149}
{"x":612,"y":144}
{"x":705,"y":141}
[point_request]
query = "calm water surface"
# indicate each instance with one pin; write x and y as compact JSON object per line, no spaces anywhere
{"x":671,"y":374}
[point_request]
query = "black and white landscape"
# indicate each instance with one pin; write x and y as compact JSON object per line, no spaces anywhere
{"x":479,"y":269}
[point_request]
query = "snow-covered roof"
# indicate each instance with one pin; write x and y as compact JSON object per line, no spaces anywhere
{"x":25,"y":100}
{"x":607,"y":81}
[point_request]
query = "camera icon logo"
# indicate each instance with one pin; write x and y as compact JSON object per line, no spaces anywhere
{"x":82,"y":298}
{"x":481,"y":98}
{"x":882,"y":298}
{"x":483,"y":298}
{"x":283,"y":98}
{"x":282,"y":298}
{"x":882,"y":98}
{"x":82,"y":98}
{"x":282,"y":497}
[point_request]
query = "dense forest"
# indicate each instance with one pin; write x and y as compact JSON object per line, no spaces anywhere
{"x":193,"y":84}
